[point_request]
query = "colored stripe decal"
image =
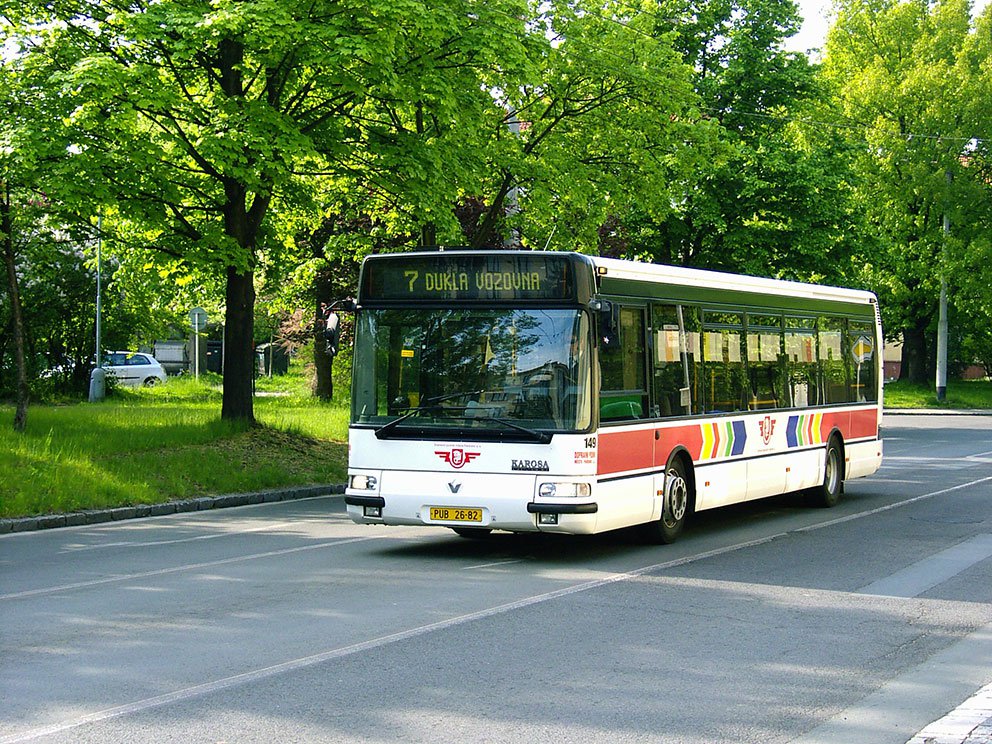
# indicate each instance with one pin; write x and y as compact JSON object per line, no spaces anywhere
{"x":740,"y":438}
{"x":790,"y":431}
{"x":804,"y":430}
{"x":719,"y":440}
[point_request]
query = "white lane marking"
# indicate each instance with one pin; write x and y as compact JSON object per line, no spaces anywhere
{"x":889,"y":507}
{"x":933,"y":570}
{"x":496,"y":563}
{"x":179,"y":569}
{"x":256,"y":675}
{"x":982,"y":458}
{"x":27,"y":534}
{"x":177,"y":541}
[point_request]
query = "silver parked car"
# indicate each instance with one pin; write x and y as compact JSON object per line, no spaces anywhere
{"x":133,"y":369}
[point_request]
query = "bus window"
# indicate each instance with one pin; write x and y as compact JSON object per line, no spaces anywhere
{"x":861,"y":355}
{"x":674,"y":360}
{"x":723,"y":382}
{"x":474,"y":369}
{"x":624,"y":387}
{"x":764,"y":361}
{"x":833,"y":371}
{"x":801,"y":362}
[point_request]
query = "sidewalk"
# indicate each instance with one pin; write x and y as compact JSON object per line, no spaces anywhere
{"x":98,"y":516}
{"x":969,"y":723}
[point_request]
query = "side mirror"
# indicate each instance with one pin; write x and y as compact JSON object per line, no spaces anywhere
{"x":606,"y":316}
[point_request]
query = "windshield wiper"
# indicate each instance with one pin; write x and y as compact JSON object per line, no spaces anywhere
{"x":539,"y":436}
{"x":428,"y":405}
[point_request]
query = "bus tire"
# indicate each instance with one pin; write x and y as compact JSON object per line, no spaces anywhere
{"x":827,"y":494}
{"x":472,"y":533}
{"x":677,"y":504}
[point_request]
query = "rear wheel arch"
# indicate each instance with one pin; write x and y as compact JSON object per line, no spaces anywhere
{"x":828,"y":492}
{"x":836,"y":436}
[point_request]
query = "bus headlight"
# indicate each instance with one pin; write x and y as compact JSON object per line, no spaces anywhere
{"x":564,"y":490}
{"x":364,"y":482}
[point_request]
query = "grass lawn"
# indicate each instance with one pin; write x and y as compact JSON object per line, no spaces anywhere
{"x":164,"y":443}
{"x":961,"y":394}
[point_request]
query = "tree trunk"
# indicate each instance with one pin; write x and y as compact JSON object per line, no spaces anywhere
{"x":915,"y":355}
{"x":428,"y":235}
{"x":7,"y":235}
{"x":239,"y":347}
{"x":241,"y":223}
{"x":485,"y":235}
{"x":322,"y":362}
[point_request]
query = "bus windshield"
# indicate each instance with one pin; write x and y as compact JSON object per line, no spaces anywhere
{"x":510,"y":371}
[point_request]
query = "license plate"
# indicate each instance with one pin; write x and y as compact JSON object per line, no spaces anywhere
{"x":455,"y":514}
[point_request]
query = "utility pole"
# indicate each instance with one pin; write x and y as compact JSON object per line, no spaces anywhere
{"x":942,"y":314}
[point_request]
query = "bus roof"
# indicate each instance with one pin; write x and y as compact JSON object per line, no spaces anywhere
{"x":678,"y":276}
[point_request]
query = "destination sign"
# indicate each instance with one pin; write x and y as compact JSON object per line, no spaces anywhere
{"x":469,"y":276}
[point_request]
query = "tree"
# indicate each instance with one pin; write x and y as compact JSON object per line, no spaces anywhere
{"x":897,"y":72}
{"x":761,"y":195}
{"x":22,"y":146}
{"x":197,"y":119}
{"x":13,"y":294}
{"x":603,"y":129}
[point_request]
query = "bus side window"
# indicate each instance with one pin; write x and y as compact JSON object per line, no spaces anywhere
{"x":861,"y":358}
{"x":674,"y":360}
{"x":833,"y":370}
{"x":764,"y":361}
{"x":801,"y":361}
{"x":724,"y":380}
{"x":624,"y":389}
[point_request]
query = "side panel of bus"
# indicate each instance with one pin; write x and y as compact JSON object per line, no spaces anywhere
{"x":736,"y":458}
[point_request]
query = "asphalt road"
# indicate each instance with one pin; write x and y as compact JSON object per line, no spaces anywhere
{"x":769,"y":622}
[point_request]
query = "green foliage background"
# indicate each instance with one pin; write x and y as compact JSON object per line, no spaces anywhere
{"x":282,"y":141}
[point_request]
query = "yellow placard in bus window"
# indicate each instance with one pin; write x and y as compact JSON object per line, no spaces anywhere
{"x":667,"y":346}
{"x":407,"y":353}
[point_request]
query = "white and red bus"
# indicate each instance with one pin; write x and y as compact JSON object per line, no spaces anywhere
{"x":558,"y":392}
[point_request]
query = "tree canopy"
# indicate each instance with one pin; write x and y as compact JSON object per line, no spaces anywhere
{"x":239,"y":147}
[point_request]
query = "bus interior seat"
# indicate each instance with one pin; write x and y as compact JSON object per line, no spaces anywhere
{"x":620,"y":410}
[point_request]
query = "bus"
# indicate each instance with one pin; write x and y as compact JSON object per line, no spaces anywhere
{"x":535,"y":391}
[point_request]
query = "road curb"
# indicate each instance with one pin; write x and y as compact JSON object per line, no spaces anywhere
{"x":203,"y":503}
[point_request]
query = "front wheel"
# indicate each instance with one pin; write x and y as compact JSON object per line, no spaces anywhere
{"x":675,"y":509}
{"x":827,"y":494}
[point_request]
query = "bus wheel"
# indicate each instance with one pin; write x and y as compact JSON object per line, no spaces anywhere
{"x":828,"y":493}
{"x":676,"y":507}
{"x":472,"y":533}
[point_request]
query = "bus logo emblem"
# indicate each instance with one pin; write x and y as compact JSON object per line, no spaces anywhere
{"x":456,"y":458}
{"x":767,"y":427}
{"x":454,"y":486}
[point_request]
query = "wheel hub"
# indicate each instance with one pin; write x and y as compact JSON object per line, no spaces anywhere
{"x":676,"y":499}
